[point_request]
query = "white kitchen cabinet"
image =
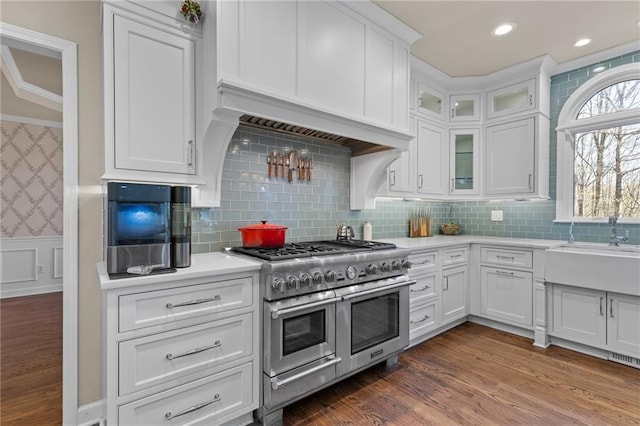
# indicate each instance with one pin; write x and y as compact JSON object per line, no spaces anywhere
{"x":511,"y":158}
{"x":401,"y":173}
{"x":427,"y":286}
{"x":150,"y":98}
{"x":464,"y":154}
{"x":430,"y":102}
{"x":507,"y":295}
{"x":596,"y":318}
{"x":291,"y":51}
{"x":579,"y":315}
{"x":623,"y":324}
{"x":423,"y":318}
{"x":432,"y":154}
{"x":512,"y":99}
{"x":464,"y":107}
{"x":186,"y":348}
{"x":422,"y":170}
{"x":454,"y":293}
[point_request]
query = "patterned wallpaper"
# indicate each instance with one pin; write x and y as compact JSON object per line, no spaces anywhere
{"x":31,"y":185}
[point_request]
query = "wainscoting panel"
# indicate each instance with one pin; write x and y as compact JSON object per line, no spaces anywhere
{"x":30,"y":266}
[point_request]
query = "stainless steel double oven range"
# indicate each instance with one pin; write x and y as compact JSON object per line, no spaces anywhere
{"x":330,"y":309}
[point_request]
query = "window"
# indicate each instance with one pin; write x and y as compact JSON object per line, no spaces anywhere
{"x":599,"y":149}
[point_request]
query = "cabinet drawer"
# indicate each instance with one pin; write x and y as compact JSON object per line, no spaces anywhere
{"x":454,"y":255}
{"x":426,"y":287}
{"x":212,"y":400}
{"x":141,"y":310}
{"x":423,"y":319}
{"x":421,"y":261}
{"x":506,"y":257}
{"x":160,"y":358}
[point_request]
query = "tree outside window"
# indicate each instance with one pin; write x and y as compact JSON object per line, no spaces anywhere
{"x":607,"y":160}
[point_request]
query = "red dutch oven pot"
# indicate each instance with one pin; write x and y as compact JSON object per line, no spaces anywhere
{"x":263,"y":235}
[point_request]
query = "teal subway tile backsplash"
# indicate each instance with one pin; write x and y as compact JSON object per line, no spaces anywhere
{"x":312,"y":210}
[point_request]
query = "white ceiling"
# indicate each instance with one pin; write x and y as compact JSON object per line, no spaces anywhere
{"x":457,"y":36}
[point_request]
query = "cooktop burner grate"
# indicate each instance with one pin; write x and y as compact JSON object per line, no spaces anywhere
{"x":313,"y":248}
{"x":290,"y":251}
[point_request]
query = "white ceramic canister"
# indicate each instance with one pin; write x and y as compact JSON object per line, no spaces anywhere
{"x":367,"y":231}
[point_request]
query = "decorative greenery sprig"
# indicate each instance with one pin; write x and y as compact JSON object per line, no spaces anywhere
{"x":191,"y":11}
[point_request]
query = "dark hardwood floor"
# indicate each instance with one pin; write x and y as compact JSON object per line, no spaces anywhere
{"x":474,"y":375}
{"x":31,"y":360}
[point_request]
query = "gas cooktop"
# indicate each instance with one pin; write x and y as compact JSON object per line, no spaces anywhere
{"x":313,"y":248}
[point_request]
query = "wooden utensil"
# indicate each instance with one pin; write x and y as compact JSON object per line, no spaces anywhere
{"x":301,"y":169}
{"x":269,"y":163}
{"x":309,"y":169}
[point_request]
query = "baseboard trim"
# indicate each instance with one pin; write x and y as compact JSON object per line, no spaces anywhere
{"x":91,"y":414}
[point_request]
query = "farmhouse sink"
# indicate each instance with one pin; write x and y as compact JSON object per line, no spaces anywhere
{"x":595,"y":266}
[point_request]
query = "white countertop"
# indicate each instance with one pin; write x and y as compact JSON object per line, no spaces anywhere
{"x":202,"y":265}
{"x":438,"y":241}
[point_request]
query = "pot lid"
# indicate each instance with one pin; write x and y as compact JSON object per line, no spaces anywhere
{"x":263,"y":225}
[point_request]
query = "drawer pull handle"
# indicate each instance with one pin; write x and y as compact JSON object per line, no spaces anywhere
{"x":508,"y":274}
{"x":276,"y":384}
{"x":511,"y":258}
{"x":601,"y":300}
{"x":426,"y":287}
{"x":455,"y":256}
{"x":425,"y":262}
{"x":426,"y":317}
{"x":169,"y":416}
{"x":193,"y":302}
{"x":216,"y":344}
{"x":611,"y":308}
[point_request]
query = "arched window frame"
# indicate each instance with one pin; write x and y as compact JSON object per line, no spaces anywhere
{"x":569,"y":125}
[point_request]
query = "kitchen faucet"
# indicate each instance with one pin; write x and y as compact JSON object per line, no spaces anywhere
{"x":614,"y":239}
{"x":571,"y":239}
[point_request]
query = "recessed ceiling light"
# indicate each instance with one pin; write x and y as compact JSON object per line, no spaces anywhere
{"x":599,"y":69}
{"x":582,"y":42}
{"x":503,"y":29}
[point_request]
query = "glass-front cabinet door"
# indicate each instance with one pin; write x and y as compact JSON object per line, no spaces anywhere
{"x":463,"y":167}
{"x":430,"y":102}
{"x":464,"y":107}
{"x":511,"y":99}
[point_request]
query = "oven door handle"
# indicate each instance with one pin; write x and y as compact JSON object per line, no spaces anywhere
{"x":275,"y":383}
{"x":285,"y":311}
{"x":377,"y":290}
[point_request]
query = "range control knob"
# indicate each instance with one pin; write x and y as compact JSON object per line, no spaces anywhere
{"x":372,"y":269}
{"x":406,"y":264}
{"x":278,"y":285}
{"x":293,"y":282}
{"x":395,"y":265}
{"x":306,"y":280}
{"x":330,"y":276}
{"x":317,"y":278}
{"x":352,"y":272}
{"x":385,"y":267}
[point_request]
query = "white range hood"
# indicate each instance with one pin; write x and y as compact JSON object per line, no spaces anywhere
{"x":338,"y":71}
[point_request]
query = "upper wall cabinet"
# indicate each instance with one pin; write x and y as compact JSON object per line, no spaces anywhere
{"x":430,"y":102}
{"x":517,"y":158}
{"x":511,"y":99}
{"x":324,"y":55}
{"x":464,"y":108}
{"x":150,"y":101}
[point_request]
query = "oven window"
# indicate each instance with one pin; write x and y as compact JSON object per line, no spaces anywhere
{"x":374,"y":321}
{"x":303,"y":331}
